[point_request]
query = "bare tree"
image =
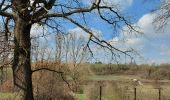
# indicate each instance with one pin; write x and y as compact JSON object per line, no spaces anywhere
{"x":48,"y":82}
{"x":24,"y":13}
{"x":5,"y":53}
{"x":163,"y":14}
{"x":70,"y":49}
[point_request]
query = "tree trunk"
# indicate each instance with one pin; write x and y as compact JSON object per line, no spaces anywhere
{"x":22,"y":72}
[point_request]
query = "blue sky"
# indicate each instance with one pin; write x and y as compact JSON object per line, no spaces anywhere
{"x":153,"y":46}
{"x":140,"y":7}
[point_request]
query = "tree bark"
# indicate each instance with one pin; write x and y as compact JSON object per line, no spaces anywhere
{"x":22,"y":72}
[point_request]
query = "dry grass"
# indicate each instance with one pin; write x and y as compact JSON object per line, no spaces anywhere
{"x":120,"y":91}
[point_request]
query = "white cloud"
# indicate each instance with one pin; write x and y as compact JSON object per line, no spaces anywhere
{"x":164,"y":50}
{"x":153,"y":44}
{"x":147,"y":26}
{"x":43,"y":35}
{"x":78,"y":32}
{"x":165,"y":53}
{"x":81,"y":33}
{"x":134,"y":41}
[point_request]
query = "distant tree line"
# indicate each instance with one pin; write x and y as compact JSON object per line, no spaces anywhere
{"x":147,"y":71}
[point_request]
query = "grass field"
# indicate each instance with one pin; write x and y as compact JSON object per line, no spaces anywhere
{"x":122,"y":88}
{"x":112,"y":77}
{"x":9,"y":96}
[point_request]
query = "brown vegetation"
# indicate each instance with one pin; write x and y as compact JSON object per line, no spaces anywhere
{"x":158,"y":72}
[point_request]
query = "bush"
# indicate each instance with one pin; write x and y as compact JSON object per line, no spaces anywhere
{"x":49,"y":85}
{"x":6,"y":86}
{"x":145,"y":71}
{"x":107,"y":69}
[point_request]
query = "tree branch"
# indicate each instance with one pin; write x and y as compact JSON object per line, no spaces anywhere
{"x":98,"y":41}
{"x":5,"y":14}
{"x":6,"y":27}
{"x":1,"y":4}
{"x":2,"y":11}
{"x":77,"y":10}
{"x":80,"y":10}
{"x":51,"y":70}
{"x":43,"y":10}
{"x":47,"y":70}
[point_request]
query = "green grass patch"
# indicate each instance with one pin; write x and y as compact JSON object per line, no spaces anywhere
{"x":4,"y":96}
{"x":80,"y":97}
{"x":9,"y":96}
{"x":112,"y":77}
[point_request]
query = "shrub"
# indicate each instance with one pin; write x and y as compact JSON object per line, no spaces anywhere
{"x":6,"y":86}
{"x":49,"y":85}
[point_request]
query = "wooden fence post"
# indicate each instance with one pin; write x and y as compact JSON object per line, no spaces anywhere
{"x":100,"y":92}
{"x":135,"y":96}
{"x":159,"y":93}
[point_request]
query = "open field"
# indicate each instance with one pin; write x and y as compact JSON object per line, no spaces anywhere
{"x":84,"y":50}
{"x":114,"y":87}
{"x":112,"y":77}
{"x":120,"y":87}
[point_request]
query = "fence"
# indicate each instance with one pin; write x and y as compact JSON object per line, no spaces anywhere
{"x":119,"y":92}
{"x":136,"y":94}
